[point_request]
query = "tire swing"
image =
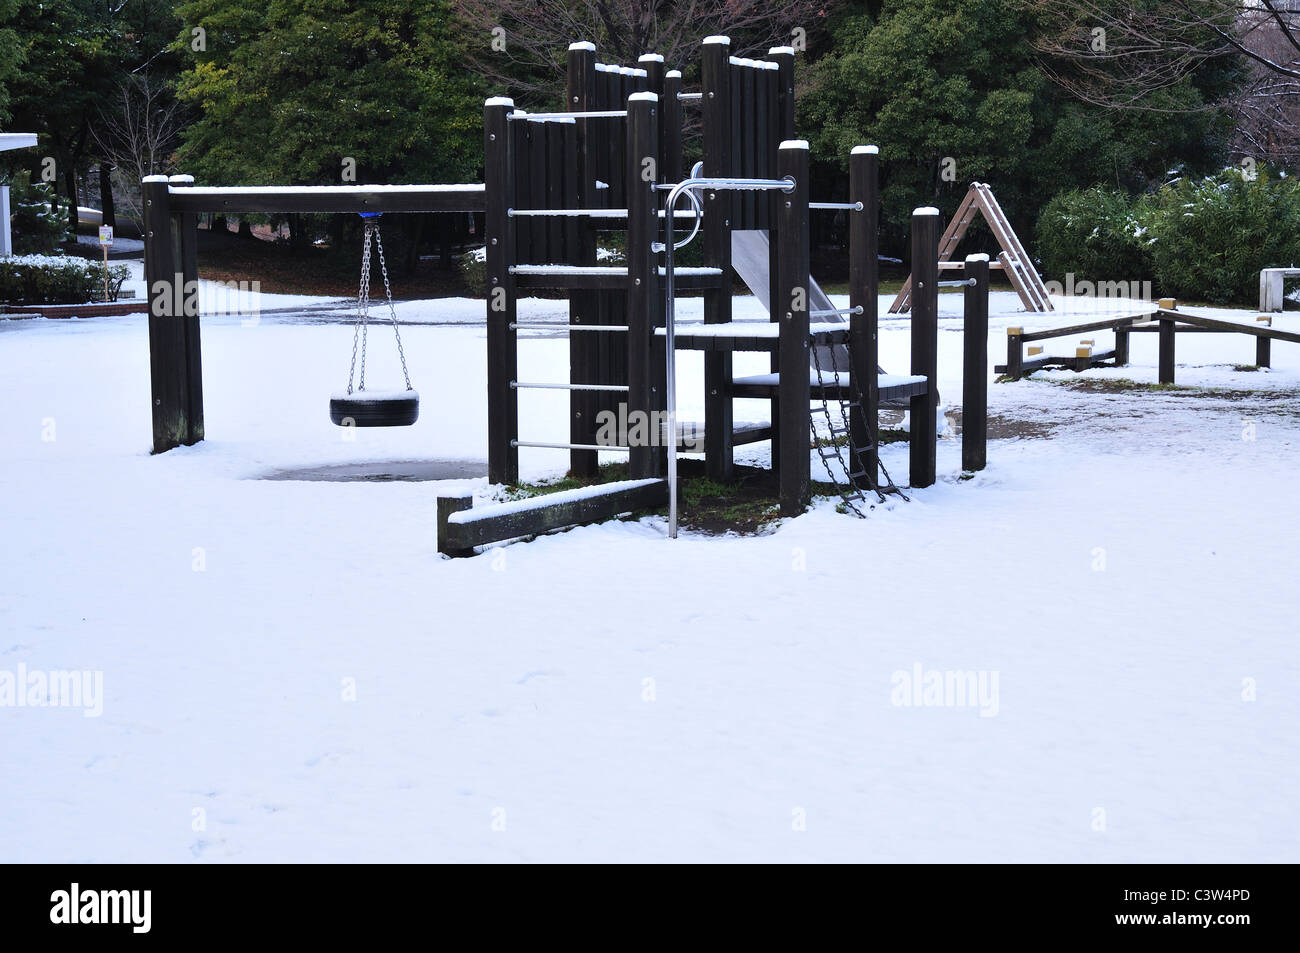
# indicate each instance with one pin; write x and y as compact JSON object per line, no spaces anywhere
{"x":373,"y":408}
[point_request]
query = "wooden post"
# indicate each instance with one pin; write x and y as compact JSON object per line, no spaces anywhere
{"x":1263,"y":345}
{"x":975,"y":371}
{"x":584,"y":306}
{"x":716,"y":102}
{"x":782,"y":130}
{"x":169,"y":384}
{"x":1166,"y":350}
{"x":446,"y":506}
{"x":1015,"y":353}
{"x":185,"y":235}
{"x":643,"y":278}
{"x":791,"y":303}
{"x":502,"y":340}
{"x":864,"y":342}
{"x":1123,"y":337}
{"x":925,"y":344}
{"x":670,"y":122}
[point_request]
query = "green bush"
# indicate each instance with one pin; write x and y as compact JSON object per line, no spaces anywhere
{"x":1199,"y":239}
{"x":37,"y":228}
{"x":40,"y":279}
{"x":1211,"y":237}
{"x":1096,"y":234}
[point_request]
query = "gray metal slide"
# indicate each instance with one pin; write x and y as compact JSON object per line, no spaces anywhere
{"x":749,"y":256}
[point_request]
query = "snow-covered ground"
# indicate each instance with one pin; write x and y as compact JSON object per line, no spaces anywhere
{"x":291,"y":672}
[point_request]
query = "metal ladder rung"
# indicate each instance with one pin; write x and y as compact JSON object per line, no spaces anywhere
{"x":565,"y":446}
{"x":541,"y":326}
{"x":526,"y":385}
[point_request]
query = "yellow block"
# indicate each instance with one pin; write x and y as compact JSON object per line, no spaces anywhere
{"x":1083,"y":352}
{"x":1168,"y":304}
{"x":1091,"y":342}
{"x":1034,"y":350}
{"x":1266,"y":318}
{"x":1012,"y":331}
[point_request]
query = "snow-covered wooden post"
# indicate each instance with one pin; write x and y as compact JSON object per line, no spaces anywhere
{"x":864,"y":281}
{"x":790,"y":306}
{"x":715,"y":75}
{"x":1015,"y":353}
{"x":185,"y":235}
{"x":925,"y":344}
{"x":1167,"y":334}
{"x":642,"y":174}
{"x":173,"y":351}
{"x":502,"y":342}
{"x":975,"y":370}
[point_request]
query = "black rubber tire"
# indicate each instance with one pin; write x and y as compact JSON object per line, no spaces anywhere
{"x":358,"y":410}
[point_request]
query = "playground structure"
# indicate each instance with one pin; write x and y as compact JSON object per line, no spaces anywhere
{"x":1013,"y":260}
{"x":1166,"y":322}
{"x":553,"y":183}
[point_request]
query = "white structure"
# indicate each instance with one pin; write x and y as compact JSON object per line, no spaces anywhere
{"x":1271,"y":289}
{"x":10,"y":140}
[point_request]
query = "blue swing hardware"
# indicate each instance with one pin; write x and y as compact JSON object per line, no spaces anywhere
{"x":362,"y":408}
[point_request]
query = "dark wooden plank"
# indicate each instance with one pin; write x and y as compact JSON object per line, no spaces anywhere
{"x":185,"y":232}
{"x":716,"y":106}
{"x":489,"y":525}
{"x":925,"y":341}
{"x":1106,"y":325}
{"x":974,"y":377}
{"x":167,"y":339}
{"x":502,"y":341}
{"x":643,"y":271}
{"x":791,"y":306}
{"x":864,"y":283}
{"x":584,"y":307}
{"x":1216,"y":324}
{"x":1167,"y":362}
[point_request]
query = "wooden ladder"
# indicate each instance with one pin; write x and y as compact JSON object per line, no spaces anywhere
{"x":1013,"y":259}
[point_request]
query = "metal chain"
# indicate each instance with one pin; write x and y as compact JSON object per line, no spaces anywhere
{"x":363,"y":312}
{"x":849,"y":493}
{"x":360,"y":333}
{"x":392,"y":309}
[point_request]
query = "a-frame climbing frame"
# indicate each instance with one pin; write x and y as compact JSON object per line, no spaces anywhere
{"x":1012,"y":259}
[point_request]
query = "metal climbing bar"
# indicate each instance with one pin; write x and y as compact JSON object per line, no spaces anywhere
{"x":561,"y":117}
{"x":565,"y":446}
{"x":831,"y":312}
{"x":543,"y":326}
{"x":836,"y":206}
{"x":727,"y":184}
{"x":611,"y":388}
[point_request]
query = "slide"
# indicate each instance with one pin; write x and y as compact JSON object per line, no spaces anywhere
{"x":749,"y":256}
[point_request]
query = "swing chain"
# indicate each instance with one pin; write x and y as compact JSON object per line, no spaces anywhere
{"x":360,"y":331}
{"x":392,"y":309}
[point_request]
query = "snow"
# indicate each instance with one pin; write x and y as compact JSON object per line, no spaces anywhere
{"x":609,"y":694}
{"x":559,"y":498}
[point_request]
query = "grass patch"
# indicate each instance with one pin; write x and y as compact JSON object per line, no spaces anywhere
{"x":1115,"y":385}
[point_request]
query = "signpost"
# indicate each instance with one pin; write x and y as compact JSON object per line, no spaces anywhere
{"x":105,"y":241}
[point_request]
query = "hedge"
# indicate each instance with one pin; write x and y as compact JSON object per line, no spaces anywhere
{"x":44,"y":279}
{"x":1198,"y":239}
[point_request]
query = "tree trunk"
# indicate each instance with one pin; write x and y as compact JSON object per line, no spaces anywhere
{"x":106,"y":194}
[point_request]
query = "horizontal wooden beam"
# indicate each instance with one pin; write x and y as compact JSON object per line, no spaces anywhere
{"x":461,"y":527}
{"x":1109,"y":324}
{"x":335,"y":199}
{"x":1273,"y":334}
